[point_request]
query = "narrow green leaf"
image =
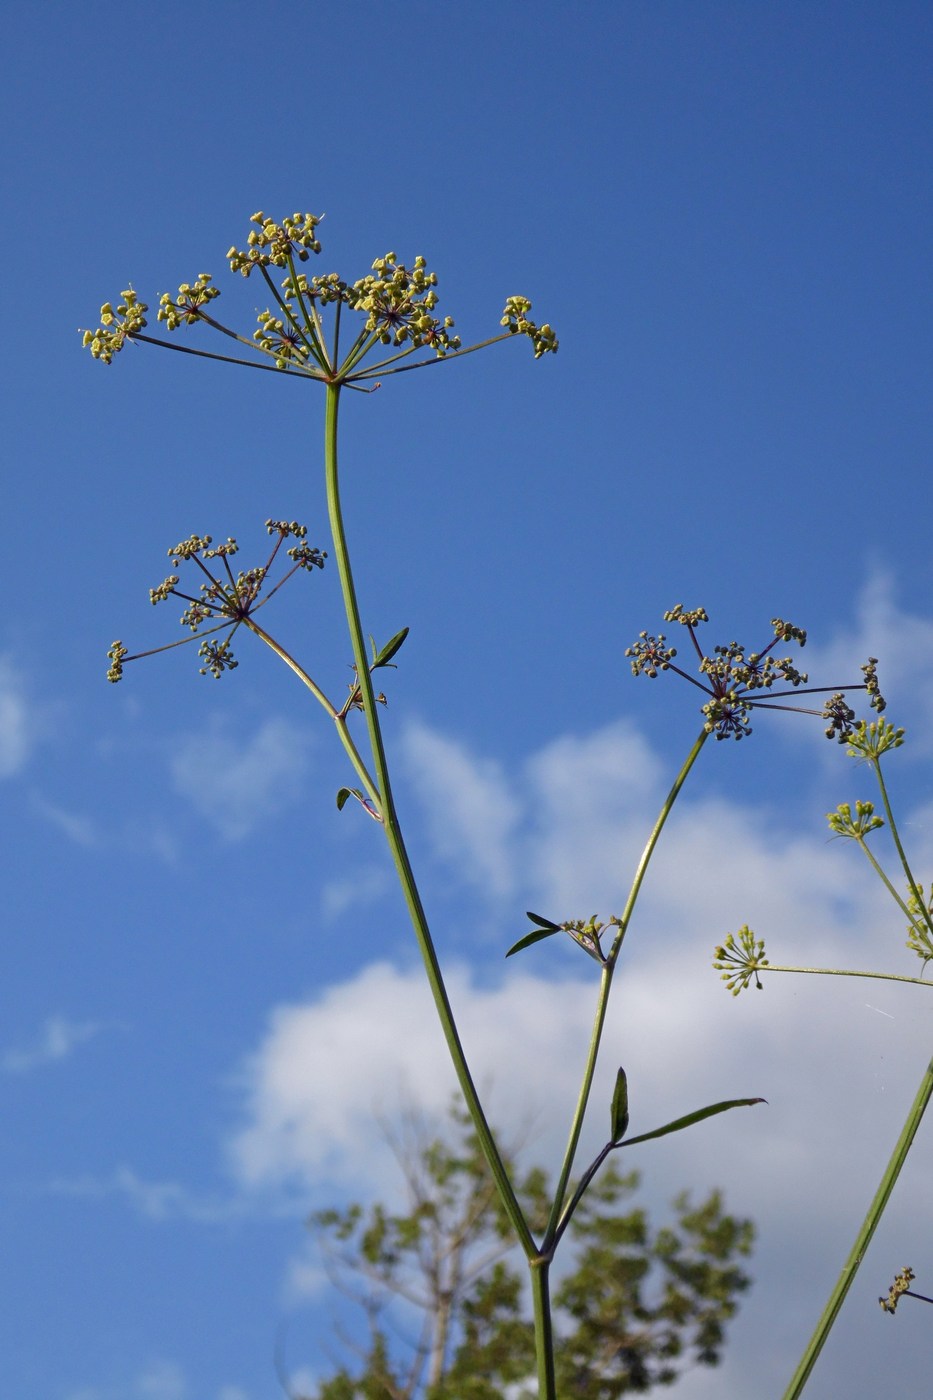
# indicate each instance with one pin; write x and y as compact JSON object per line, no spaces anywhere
{"x":692,"y":1118}
{"x":542,"y":923}
{"x":393,"y":645}
{"x":346,"y":792}
{"x":619,"y":1115}
{"x":535,"y":936}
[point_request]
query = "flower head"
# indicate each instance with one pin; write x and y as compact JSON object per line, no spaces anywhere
{"x":224,"y":601}
{"x":116,"y":327}
{"x":737,"y":680}
{"x":397,"y":303}
{"x":740,"y":958}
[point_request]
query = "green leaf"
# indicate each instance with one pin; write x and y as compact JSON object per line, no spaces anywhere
{"x":619,"y":1113}
{"x":389,"y":650}
{"x":691,"y":1118}
{"x":535,"y":936}
{"x":542,"y":923}
{"x":344,"y":793}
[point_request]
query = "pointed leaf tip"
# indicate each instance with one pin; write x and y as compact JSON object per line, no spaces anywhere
{"x":542,"y":923}
{"x":696,"y":1117}
{"x":619,"y":1113}
{"x":393,"y":645}
{"x":535,"y":936}
{"x":346,"y":792}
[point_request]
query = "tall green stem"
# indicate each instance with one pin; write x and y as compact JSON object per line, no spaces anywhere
{"x":863,"y":1238}
{"x":394,"y":835}
{"x":604,"y":987}
{"x":544,"y":1336}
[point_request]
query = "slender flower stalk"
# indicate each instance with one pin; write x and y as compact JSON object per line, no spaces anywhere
{"x":352,"y":336}
{"x":862,"y":1240}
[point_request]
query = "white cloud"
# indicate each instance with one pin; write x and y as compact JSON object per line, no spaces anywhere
{"x":78,"y":828}
{"x":159,"y":1379}
{"x":837,"y":1059}
{"x":364,"y":885}
{"x":162,"y":1380}
{"x":469,"y":804}
{"x":231,"y":1392}
{"x":20,"y":728}
{"x":903,"y":643}
{"x":326,"y":1070}
{"x":155,"y":1200}
{"x":58,"y":1038}
{"x":238,"y":783}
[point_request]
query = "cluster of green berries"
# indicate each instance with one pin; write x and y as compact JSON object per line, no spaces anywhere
{"x":900,"y":1286}
{"x":116,"y":326}
{"x":398,"y":303}
{"x":739,"y":959}
{"x":188,"y":306}
{"x":272,"y":244}
{"x":516,"y":321}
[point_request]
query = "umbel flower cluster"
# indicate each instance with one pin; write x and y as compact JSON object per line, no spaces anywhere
{"x":224,"y":601}
{"x":397,"y":304}
{"x":738,"y":681}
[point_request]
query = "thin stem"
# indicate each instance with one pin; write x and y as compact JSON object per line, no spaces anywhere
{"x":863,"y":1238}
{"x":884,"y":879}
{"x":225,"y":359}
{"x":847,"y":972}
{"x":551,"y":1232}
{"x":360,"y":347}
{"x":603,"y":999}
{"x":184,"y":641}
{"x":544,"y":1336}
{"x":312,"y":320}
{"x":892,"y":824}
{"x":371,"y":371}
{"x":648,"y":852}
{"x":396,"y":843}
{"x":310,"y":340}
{"x":584,"y":1182}
{"x":339,"y":719}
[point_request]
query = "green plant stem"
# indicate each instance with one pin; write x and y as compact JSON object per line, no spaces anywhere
{"x":847,"y":972}
{"x":336,"y":715}
{"x":544,"y":1336}
{"x":863,"y":1238}
{"x":603,"y":999}
{"x":648,"y":852}
{"x":396,"y":843}
{"x":884,"y":879}
{"x":892,"y":826}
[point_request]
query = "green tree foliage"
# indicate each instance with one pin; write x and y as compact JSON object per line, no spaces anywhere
{"x":446,"y":1315}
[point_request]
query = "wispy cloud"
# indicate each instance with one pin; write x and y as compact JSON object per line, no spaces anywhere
{"x":80,"y":829}
{"x":20,"y":720}
{"x":362,"y":886}
{"x":58,"y":1038}
{"x":239,"y":782}
{"x":470,"y":807}
{"x":884,"y":626}
{"x":162,"y":1380}
{"x":158,"y":1379}
{"x":155,"y":1200}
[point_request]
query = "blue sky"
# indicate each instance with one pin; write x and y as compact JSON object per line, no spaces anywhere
{"x":724,"y":209}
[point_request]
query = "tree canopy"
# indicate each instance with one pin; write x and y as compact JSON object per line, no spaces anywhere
{"x":446,"y":1316}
